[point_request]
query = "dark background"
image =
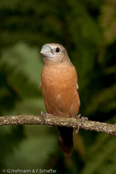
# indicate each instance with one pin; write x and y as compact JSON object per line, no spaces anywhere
{"x":88,"y":31}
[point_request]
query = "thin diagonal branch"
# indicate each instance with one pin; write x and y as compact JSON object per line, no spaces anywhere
{"x":59,"y":121}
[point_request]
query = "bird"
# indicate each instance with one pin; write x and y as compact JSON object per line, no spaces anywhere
{"x":59,"y":85}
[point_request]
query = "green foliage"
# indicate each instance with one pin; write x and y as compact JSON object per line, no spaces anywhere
{"x":33,"y":152}
{"x":9,"y":138}
{"x":87,"y":29}
{"x":103,"y":155}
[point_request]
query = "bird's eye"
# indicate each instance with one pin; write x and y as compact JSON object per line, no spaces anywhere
{"x":57,"y":50}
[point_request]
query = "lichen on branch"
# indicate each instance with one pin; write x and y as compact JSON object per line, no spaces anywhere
{"x":59,"y":121}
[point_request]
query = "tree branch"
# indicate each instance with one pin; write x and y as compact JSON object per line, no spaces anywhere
{"x":59,"y":121}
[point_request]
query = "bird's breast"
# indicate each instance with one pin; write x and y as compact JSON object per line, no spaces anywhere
{"x":59,"y":78}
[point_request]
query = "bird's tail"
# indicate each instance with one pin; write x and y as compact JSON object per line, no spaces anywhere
{"x":65,"y":140}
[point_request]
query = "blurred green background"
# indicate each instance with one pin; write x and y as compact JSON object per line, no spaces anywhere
{"x":88,"y":31}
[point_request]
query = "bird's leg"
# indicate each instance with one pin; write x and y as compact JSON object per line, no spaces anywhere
{"x":49,"y":114}
{"x":82,"y":121}
{"x":44,"y":117}
{"x":78,"y":116}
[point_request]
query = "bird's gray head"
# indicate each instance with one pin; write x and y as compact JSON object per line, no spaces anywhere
{"x":54,"y":53}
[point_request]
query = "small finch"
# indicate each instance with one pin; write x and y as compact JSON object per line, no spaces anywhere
{"x":59,"y":86}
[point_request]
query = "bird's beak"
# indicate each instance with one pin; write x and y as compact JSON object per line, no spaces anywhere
{"x":46,"y":51}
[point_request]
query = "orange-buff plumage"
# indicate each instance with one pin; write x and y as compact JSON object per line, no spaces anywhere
{"x":60,"y":90}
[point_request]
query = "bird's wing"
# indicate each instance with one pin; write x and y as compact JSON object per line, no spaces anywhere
{"x":77,"y":86}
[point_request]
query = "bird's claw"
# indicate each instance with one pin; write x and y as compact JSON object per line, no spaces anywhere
{"x":82,"y":122}
{"x":49,"y":114}
{"x":44,"y":117}
{"x":78,"y":116}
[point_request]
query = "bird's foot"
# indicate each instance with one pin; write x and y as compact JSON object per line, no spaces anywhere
{"x":49,"y":114}
{"x":44,"y":117}
{"x":82,"y":121}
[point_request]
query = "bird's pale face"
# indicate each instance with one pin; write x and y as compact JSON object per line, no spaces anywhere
{"x":53,"y":53}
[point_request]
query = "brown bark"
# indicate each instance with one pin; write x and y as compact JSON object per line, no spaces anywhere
{"x":59,"y":121}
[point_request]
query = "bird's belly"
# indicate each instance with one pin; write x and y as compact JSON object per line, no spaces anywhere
{"x":59,"y":101}
{"x":59,"y":90}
